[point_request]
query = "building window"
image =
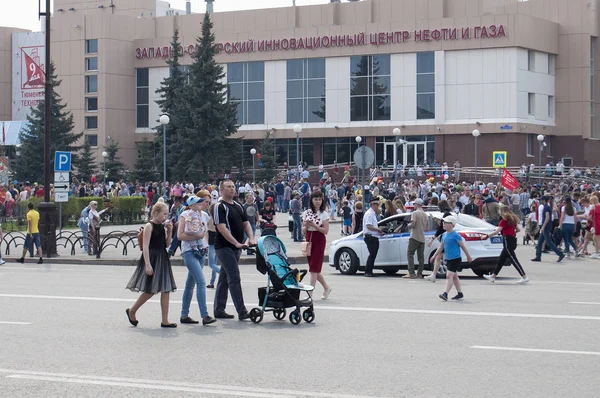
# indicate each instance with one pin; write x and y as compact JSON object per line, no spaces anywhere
{"x":370,"y":88}
{"x":306,"y":90}
{"x":92,"y":139}
{"x":340,"y":150}
{"x":246,"y":89}
{"x":592,"y":88}
{"x":531,"y":60}
{"x":549,"y":141}
{"x":91,"y":104}
{"x":91,"y":64}
{"x":531,"y":103}
{"x":91,"y":122}
{"x":142,"y":98}
{"x":550,"y":106}
{"x":529,"y":144}
{"x":426,"y":85}
{"x":91,"y":46}
{"x":551,"y":64}
{"x":91,"y":84}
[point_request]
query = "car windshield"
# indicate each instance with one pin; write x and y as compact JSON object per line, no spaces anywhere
{"x":472,"y":222}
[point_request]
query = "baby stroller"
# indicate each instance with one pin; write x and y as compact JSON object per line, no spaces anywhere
{"x":268,"y":229}
{"x":285,"y":292}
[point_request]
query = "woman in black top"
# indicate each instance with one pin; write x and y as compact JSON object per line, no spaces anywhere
{"x":444,"y":207}
{"x":357,"y":218}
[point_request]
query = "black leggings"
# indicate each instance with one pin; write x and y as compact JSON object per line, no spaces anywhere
{"x":508,"y":253}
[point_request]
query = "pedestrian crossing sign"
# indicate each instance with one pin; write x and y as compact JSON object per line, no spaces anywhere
{"x":499,"y":159}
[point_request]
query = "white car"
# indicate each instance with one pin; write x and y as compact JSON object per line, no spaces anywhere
{"x":349,"y":254}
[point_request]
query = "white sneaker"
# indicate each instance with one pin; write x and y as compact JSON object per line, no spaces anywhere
{"x":326,"y":294}
{"x":523,"y":280}
{"x":431,"y":278}
{"x":2,"y":262}
{"x":490,"y":278}
{"x":595,"y":255}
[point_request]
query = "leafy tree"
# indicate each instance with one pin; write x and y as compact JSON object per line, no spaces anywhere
{"x":85,"y":162}
{"x":115,"y":169}
{"x":170,"y":90}
{"x":204,"y":117}
{"x":268,"y":170}
{"x":145,"y":165}
{"x":62,"y":137}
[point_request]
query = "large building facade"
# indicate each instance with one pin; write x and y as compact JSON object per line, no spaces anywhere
{"x":435,"y":69}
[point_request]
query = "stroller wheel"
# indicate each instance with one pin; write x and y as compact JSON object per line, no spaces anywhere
{"x":279,"y":313}
{"x":256,"y":315}
{"x":308,"y":315}
{"x":295,"y":317}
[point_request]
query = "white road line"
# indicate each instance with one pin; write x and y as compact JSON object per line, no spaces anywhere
{"x":167,"y":385}
{"x":584,"y":302}
{"x":481,"y":347}
{"x":566,"y":283}
{"x":335,"y":308}
{"x":14,"y":323}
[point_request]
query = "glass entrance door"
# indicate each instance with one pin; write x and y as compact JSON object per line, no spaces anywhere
{"x":413,"y":153}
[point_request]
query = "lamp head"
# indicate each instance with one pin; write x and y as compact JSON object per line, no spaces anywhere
{"x":358,"y":139}
{"x":540,"y":137}
{"x":397,"y":131}
{"x":253,"y":151}
{"x":476,"y":133}
{"x":297,"y":129}
{"x":164,"y":119}
{"x":104,"y":154}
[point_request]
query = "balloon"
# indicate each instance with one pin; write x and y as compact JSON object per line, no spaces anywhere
{"x":445,"y":176}
{"x":258,"y":155}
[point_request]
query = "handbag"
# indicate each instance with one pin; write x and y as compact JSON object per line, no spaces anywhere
{"x":306,"y":247}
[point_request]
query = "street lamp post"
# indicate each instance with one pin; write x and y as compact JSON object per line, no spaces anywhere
{"x":540,"y":138}
{"x":476,"y":134}
{"x":253,"y":153}
{"x":164,"y":120}
{"x":362,"y":177}
{"x":297,"y":130}
{"x":104,"y":155}
{"x":397,"y":132}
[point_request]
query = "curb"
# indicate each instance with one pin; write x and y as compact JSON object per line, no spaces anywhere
{"x":177,"y":262}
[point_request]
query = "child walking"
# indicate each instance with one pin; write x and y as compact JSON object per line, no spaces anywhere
{"x":451,"y":244}
{"x":153,"y":274}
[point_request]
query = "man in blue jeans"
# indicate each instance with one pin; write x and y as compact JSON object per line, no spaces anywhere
{"x":545,"y":229}
{"x":296,"y":210}
{"x":231,"y":223}
{"x":279,"y":191}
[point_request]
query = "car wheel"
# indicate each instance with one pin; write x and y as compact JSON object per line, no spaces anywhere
{"x":347,"y":262}
{"x":391,"y":271}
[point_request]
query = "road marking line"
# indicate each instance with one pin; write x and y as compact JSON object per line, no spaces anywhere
{"x":166,"y":385}
{"x":14,"y":323}
{"x":584,"y":302}
{"x":566,"y":283}
{"x":480,"y":347}
{"x":357,"y":309}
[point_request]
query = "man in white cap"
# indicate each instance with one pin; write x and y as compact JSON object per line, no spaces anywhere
{"x":416,"y":243}
{"x":371,"y":233}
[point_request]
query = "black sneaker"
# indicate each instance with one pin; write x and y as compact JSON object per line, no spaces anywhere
{"x":444,"y":296}
{"x":560,"y":258}
{"x":536,"y":260}
{"x":40,"y":261}
{"x":171,"y":253}
{"x":210,"y":286}
{"x":207,"y":320}
{"x":223,"y":315}
{"x":458,"y":296}
{"x":20,"y":260}
{"x":188,"y":320}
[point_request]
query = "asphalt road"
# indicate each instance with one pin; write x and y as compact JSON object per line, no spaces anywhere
{"x":65,"y":334}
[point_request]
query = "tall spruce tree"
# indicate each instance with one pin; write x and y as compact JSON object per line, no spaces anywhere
{"x":115,"y":169}
{"x":205,"y":117}
{"x":62,"y":137}
{"x":85,"y":162}
{"x":268,"y":168}
{"x":145,"y":165}
{"x":171,"y":90}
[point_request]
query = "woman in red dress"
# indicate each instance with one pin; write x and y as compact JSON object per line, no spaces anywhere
{"x":315,"y":226}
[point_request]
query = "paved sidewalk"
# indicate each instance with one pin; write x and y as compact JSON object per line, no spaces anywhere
{"x":114,"y":255}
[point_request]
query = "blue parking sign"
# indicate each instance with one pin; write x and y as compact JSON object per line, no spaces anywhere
{"x":62,"y":161}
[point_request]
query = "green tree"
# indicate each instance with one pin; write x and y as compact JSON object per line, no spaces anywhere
{"x":85,"y":162}
{"x":62,"y":137}
{"x":170,"y":90}
{"x":115,"y":169}
{"x":145,"y":165}
{"x":204,"y":118}
{"x":268,"y":170}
